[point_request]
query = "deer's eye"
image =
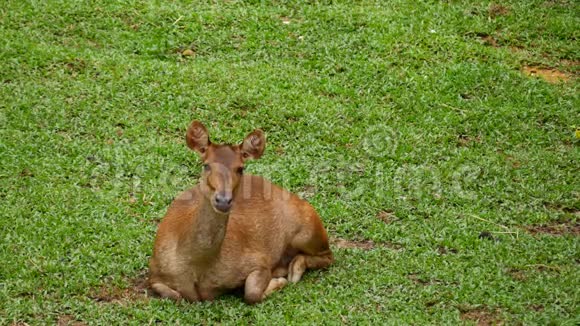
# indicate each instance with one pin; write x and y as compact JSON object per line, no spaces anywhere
{"x":206,"y":167}
{"x":240,"y":170}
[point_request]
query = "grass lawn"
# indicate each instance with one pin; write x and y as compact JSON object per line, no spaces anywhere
{"x":435,"y":138}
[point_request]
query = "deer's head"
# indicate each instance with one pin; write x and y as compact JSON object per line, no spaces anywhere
{"x":223,"y":165}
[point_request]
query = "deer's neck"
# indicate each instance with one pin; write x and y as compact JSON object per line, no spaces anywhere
{"x":208,"y":232}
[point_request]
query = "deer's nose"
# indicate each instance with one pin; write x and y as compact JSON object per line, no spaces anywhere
{"x":223,"y":201}
{"x":223,"y":198}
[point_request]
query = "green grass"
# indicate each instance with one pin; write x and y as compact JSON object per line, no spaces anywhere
{"x":369,"y":107}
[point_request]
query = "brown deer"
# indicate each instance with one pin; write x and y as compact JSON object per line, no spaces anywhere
{"x":234,"y":229}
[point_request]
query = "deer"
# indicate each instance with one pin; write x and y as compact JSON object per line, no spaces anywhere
{"x":234,"y":230}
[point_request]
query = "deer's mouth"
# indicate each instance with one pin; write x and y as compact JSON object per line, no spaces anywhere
{"x":222,"y":210}
{"x":221,"y":207}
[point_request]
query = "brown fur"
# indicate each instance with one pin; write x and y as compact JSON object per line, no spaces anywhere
{"x":267,"y":234}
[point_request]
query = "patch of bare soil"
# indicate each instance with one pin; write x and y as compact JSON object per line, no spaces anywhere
{"x":387,"y":216}
{"x":561,"y":208}
{"x":445,"y":250}
{"x":548,"y":74}
{"x":64,"y":320}
{"x":465,"y":140}
{"x":351,"y":244}
{"x":545,"y":268}
{"x":75,"y":65}
{"x":522,"y":273}
{"x":418,"y":279}
{"x":496,"y":10}
{"x":518,"y":49}
{"x":486,"y":235}
{"x":135,"y":292}
{"x":363,"y":245}
{"x":26,"y":173}
{"x":517,"y":274}
{"x":489,"y":40}
{"x":556,"y":229}
{"x":515,"y":163}
{"x":481,"y":316}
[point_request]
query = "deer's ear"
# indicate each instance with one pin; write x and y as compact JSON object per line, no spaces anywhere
{"x":253,"y":145}
{"x":197,"y":137}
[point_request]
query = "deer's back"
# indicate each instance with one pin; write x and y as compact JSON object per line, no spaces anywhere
{"x":263,"y":223}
